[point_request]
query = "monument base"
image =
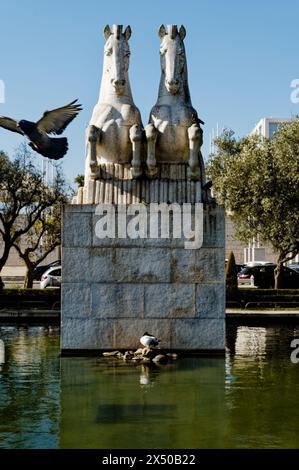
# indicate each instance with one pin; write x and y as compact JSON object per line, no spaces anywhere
{"x":113,"y":290}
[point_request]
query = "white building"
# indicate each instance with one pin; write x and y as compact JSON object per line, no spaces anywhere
{"x":267,"y":126}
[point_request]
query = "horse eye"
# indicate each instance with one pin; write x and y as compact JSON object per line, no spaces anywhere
{"x":108,"y":51}
{"x":163,"y":51}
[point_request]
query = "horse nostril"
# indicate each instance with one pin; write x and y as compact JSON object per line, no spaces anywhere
{"x":172,"y":82}
{"x":119,"y":82}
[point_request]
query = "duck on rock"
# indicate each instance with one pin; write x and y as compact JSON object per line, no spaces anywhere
{"x":149,"y":341}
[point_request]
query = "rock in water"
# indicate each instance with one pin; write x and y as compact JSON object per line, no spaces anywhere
{"x":172,"y":355}
{"x":111,"y":353}
{"x":149,"y":353}
{"x":160,"y":359}
{"x":139,"y":351}
{"x":127,"y":356}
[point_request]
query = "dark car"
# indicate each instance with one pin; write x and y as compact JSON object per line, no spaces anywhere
{"x":40,"y":270}
{"x":239,"y":267}
{"x":294,"y":266}
{"x":263,"y":276}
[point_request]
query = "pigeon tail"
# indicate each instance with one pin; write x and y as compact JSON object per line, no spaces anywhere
{"x":55,"y":148}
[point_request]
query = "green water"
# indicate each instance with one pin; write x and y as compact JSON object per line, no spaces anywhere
{"x":247,"y":400}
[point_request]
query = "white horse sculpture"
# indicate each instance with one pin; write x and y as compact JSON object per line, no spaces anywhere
{"x":174,"y":134}
{"x":115,"y":131}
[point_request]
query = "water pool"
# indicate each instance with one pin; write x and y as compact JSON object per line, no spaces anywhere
{"x":249,"y":399}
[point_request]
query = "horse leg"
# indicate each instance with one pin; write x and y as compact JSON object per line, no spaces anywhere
{"x":93,"y":134}
{"x":196,"y":165}
{"x":151,"y":137}
{"x":135,"y":138}
{"x":206,"y":185}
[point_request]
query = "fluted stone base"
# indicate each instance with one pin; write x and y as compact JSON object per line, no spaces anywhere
{"x":114,"y":290}
{"x":114,"y":185}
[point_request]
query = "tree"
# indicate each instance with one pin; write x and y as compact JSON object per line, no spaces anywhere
{"x":25,"y":201}
{"x":79,"y":180}
{"x":231,"y":278}
{"x":40,"y":241}
{"x":257,"y":180}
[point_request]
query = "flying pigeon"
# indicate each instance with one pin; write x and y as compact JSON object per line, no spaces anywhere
{"x":148,"y":340}
{"x":52,"y":122}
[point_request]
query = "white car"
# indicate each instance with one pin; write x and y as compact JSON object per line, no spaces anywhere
{"x":51,"y":278}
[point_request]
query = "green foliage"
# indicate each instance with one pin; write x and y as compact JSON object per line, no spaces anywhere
{"x":257,"y":180}
{"x":268,"y":294}
{"x":231,"y":278}
{"x":79,"y":180}
{"x":29,"y":209}
{"x":21,"y":292}
{"x":269,"y":298}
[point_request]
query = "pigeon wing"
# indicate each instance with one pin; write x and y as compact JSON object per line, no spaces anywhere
{"x":10,"y":125}
{"x":56,"y":121}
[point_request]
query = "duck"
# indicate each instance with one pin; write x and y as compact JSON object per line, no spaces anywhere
{"x":149,"y":340}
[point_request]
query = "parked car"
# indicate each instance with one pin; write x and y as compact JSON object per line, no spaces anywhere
{"x":40,"y":270}
{"x":238,"y":266}
{"x":263,"y":276}
{"x":51,"y":278}
{"x":294,"y":266}
{"x":253,"y":271}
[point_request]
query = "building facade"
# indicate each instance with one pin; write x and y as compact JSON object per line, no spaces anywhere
{"x":267,"y":126}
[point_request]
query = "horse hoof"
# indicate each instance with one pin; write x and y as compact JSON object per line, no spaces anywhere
{"x":193,"y":174}
{"x":151,"y":172}
{"x":136,"y":172}
{"x":93,"y":167}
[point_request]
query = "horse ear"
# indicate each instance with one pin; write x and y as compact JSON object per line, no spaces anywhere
{"x":182,"y":33}
{"x":128,"y":32}
{"x":107,"y":31}
{"x":162,"y":31}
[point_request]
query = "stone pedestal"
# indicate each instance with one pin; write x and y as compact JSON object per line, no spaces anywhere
{"x":113,"y":290}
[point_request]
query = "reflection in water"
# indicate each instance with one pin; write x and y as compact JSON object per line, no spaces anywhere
{"x":250,"y":344}
{"x":106,"y":396}
{"x":247,"y":400}
{"x":146,"y":379}
{"x":29,"y":388}
{"x":115,"y":414}
{"x":150,"y":372}
{"x":251,"y":341}
{"x":262,"y":401}
{"x":229,"y":377}
{"x":2,"y":353}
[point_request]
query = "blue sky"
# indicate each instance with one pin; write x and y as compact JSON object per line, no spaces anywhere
{"x":242,"y":57}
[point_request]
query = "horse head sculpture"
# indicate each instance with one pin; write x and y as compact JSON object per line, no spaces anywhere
{"x":174,"y":134}
{"x":116,"y":60}
{"x":115,"y":130}
{"x":173,"y":57}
